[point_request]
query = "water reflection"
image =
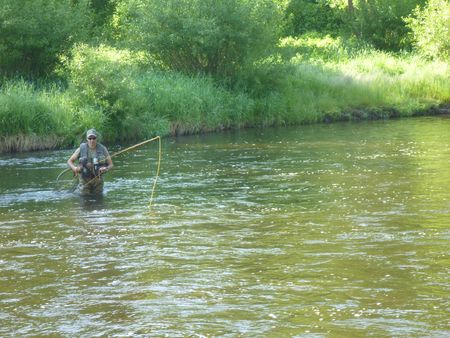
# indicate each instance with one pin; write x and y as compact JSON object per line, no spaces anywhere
{"x":330,"y":230}
{"x":91,"y":202}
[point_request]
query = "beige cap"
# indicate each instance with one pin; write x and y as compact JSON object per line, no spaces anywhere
{"x":91,"y":132}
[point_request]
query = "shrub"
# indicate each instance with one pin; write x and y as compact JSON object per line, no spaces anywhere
{"x":215,"y":37}
{"x":33,"y":33}
{"x":380,"y":22}
{"x":430,"y":27}
{"x":305,"y":16}
{"x":140,"y":102}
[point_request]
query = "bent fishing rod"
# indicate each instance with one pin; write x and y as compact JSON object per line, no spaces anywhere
{"x":125,"y":150}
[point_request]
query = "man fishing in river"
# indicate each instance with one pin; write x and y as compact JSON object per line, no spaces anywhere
{"x":93,"y":161}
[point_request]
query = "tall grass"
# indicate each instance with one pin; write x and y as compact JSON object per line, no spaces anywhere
{"x":328,"y":80}
{"x":128,"y":97}
{"x":143,"y":101}
{"x":31,"y":119}
{"x":316,"y":47}
{"x":408,"y":84}
{"x":190,"y":104}
{"x":34,"y":117}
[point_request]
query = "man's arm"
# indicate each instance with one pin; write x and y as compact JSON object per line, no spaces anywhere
{"x":72,"y":159}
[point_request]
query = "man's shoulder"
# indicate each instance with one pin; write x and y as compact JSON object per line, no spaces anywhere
{"x":102,"y":148}
{"x":82,"y":149}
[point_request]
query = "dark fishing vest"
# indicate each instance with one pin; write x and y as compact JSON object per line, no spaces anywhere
{"x":92,"y":161}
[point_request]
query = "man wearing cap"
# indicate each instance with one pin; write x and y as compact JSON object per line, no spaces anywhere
{"x":93,"y":161}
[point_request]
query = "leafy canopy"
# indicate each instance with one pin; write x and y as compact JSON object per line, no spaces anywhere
{"x":430,"y":27}
{"x":33,"y":33}
{"x":216,"y":37}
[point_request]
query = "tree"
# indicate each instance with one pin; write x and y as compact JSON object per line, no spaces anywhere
{"x":216,"y":37}
{"x":314,"y":15}
{"x":33,"y":33}
{"x":430,"y":27}
{"x":380,"y":22}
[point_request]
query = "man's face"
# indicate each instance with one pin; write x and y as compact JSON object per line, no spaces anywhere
{"x":92,"y":141}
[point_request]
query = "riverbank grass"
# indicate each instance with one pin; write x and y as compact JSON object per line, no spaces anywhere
{"x":31,"y":119}
{"x":334,"y":82}
{"x":129,"y":98}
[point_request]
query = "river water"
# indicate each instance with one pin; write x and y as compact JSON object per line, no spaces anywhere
{"x":338,"y":230}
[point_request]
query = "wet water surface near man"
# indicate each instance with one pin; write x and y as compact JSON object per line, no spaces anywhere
{"x":323,"y":230}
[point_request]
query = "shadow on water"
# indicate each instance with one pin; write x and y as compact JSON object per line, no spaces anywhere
{"x":92,"y":202}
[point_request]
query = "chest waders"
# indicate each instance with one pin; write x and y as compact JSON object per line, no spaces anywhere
{"x":91,"y":161}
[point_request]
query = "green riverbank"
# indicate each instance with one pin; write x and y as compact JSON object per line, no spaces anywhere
{"x":134,"y":69}
{"x":127,"y":98}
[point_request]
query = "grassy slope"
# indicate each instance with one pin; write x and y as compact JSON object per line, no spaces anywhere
{"x":314,"y":79}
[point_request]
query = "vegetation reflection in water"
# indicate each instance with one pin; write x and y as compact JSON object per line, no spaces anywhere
{"x":325,"y":230}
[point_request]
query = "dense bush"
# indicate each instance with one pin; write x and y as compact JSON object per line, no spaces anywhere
{"x":380,"y":22}
{"x":323,"y":16}
{"x":193,"y":66}
{"x":33,"y":33}
{"x":140,"y":101}
{"x":215,"y":37}
{"x":103,"y":11}
{"x":431,"y":28}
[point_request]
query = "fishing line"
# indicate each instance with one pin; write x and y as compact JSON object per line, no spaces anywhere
{"x":128,"y":149}
{"x":157,"y":172}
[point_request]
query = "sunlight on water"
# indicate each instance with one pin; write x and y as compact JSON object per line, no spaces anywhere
{"x":315,"y":231}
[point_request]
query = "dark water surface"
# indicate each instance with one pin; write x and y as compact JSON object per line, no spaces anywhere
{"x":335,"y":230}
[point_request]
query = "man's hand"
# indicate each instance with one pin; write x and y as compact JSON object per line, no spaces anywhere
{"x":76,"y":171}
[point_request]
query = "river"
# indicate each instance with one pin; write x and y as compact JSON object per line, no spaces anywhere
{"x":332,"y":230}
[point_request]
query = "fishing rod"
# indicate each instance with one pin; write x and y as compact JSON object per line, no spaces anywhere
{"x":128,"y":149}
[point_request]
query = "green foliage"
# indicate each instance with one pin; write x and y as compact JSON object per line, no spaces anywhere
{"x":24,"y":110}
{"x":216,"y":37}
{"x":34,"y":117}
{"x":314,"y":47}
{"x":431,"y":29}
{"x":99,"y":77}
{"x":188,"y":66}
{"x":33,"y":33}
{"x":28,"y":112}
{"x":141,"y":102}
{"x":304,"y":16}
{"x":103,"y":10}
{"x":409,"y":84}
{"x":380,"y":22}
{"x":332,"y":79}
